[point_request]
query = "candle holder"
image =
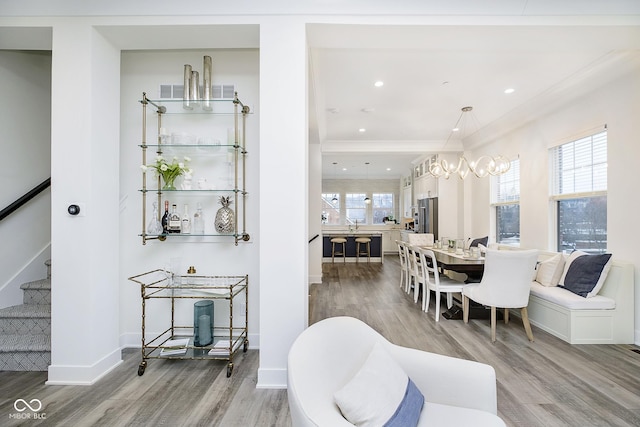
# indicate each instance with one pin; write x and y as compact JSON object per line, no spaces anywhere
{"x":202,"y":323}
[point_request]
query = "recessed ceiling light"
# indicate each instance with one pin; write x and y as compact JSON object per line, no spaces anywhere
{"x":362,"y":130}
{"x":455,"y":129}
{"x":388,"y":169}
{"x":509,"y":90}
{"x":379,"y":83}
{"x":344,"y":169}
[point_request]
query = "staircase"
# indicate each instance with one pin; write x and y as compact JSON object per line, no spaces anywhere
{"x":25,"y":330}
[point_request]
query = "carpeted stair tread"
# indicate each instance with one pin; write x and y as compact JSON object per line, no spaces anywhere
{"x":42,"y":284}
{"x":26,"y":311}
{"x":25,"y":342}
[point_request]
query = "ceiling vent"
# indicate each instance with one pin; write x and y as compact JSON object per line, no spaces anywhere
{"x":168,"y":91}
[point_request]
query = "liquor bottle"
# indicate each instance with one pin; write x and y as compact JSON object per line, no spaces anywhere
{"x":186,"y":221}
{"x":174,"y":220}
{"x":198,"y":221}
{"x":165,"y":218}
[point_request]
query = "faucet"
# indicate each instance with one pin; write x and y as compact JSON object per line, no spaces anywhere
{"x":356,"y":224}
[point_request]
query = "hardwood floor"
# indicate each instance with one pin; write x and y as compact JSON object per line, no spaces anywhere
{"x":544,"y":383}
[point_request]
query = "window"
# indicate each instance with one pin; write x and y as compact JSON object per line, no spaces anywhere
{"x":505,"y":198}
{"x":382,"y":204}
{"x":331,"y":208}
{"x":579,"y":191}
{"x":356,"y":209}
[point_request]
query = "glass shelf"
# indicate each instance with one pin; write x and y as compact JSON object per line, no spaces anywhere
{"x":216,"y":106}
{"x":194,"y":191}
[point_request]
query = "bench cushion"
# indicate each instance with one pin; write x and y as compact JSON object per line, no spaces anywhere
{"x":570,"y":300}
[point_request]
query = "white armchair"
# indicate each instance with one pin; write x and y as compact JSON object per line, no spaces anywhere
{"x":328,"y":354}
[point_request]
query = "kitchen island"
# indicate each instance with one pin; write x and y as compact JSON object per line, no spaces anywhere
{"x":376,"y":245}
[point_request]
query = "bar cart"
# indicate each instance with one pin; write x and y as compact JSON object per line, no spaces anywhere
{"x":177,"y":341}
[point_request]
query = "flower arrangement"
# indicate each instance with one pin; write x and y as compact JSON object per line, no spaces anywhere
{"x":169,"y":171}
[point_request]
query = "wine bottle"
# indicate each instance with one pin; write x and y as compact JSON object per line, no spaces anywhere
{"x":165,"y":218}
{"x":198,"y":221}
{"x":174,"y":220}
{"x":186,"y":221}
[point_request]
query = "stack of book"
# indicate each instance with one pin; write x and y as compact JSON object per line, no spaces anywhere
{"x":223,"y":348}
{"x":174,"y":347}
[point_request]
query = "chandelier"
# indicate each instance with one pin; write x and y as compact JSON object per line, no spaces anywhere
{"x":482,"y":167}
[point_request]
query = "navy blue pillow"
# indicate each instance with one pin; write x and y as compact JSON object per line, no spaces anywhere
{"x":408,"y":412}
{"x":584,"y":272}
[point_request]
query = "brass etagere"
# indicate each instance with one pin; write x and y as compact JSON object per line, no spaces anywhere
{"x":161,"y":284}
{"x":238,"y":147}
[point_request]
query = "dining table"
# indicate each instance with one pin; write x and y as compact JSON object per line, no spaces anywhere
{"x":473,"y":267}
{"x":460,"y":263}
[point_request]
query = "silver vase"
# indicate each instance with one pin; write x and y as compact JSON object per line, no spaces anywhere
{"x":186,"y":93}
{"x":206,"y":83}
{"x":194,"y":88}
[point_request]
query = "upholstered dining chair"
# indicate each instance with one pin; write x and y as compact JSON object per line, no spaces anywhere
{"x":506,"y":283}
{"x":420,"y":239}
{"x":404,"y":267}
{"x":434,"y":281}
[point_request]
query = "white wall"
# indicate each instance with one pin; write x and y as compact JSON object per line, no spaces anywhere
{"x":615,"y":104}
{"x":84,"y":169}
{"x":25,"y":120}
{"x":144,"y":71}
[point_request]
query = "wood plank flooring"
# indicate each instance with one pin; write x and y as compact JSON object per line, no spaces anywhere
{"x":544,"y":383}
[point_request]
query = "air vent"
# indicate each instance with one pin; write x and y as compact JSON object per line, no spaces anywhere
{"x":168,"y":91}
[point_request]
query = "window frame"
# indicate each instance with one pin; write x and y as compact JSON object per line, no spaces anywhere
{"x":557,"y":195}
{"x":498,"y":202}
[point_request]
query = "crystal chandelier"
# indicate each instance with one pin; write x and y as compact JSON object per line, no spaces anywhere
{"x":482,"y":167}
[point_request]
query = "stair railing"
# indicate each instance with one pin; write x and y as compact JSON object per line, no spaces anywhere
{"x":24,"y":199}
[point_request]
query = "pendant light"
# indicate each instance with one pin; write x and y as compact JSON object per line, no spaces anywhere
{"x":367,"y":200}
{"x":482,"y":167}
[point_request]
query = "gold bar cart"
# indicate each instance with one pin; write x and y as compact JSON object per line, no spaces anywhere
{"x":227,"y":339}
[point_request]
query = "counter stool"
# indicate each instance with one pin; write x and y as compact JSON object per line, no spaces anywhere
{"x":338,"y":241}
{"x":367,"y":249}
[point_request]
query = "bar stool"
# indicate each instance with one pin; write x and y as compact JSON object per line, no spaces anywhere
{"x":338,"y":241}
{"x":367,"y":250}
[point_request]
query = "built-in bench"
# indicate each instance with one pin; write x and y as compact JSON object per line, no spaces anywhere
{"x":607,"y":318}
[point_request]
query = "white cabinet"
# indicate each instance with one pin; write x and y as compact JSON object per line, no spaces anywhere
{"x":389,"y":238}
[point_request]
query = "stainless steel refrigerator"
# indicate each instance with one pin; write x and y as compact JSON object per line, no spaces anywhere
{"x":427,"y":217}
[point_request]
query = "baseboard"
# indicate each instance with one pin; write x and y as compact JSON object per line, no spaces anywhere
{"x":315,"y":279}
{"x":272,"y":378}
{"x":84,"y":375}
{"x":636,"y":340}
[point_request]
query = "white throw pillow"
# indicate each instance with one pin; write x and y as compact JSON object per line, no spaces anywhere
{"x":374,"y":395}
{"x":550,"y":271}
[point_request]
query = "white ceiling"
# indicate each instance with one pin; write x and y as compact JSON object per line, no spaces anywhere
{"x":431,"y":72}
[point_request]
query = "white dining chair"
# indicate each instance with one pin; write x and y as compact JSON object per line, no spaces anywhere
{"x":404,"y":267}
{"x":506,"y":283}
{"x":434,"y":281}
{"x":411,"y":268}
{"x":418,"y":274}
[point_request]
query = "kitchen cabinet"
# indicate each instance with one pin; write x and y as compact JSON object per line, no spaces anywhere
{"x":389,"y":241}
